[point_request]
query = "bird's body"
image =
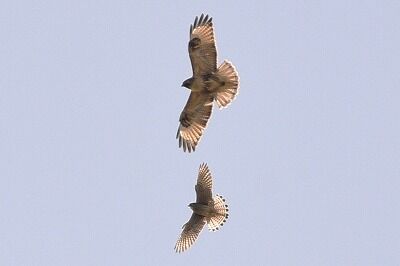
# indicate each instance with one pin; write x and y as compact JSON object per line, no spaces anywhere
{"x":209,"y":83}
{"x":203,"y":209}
{"x":206,"y":209}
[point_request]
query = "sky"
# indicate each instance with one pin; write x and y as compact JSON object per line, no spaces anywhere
{"x":307,"y":156}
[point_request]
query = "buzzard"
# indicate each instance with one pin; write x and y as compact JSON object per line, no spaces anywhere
{"x":209,"y":83}
{"x":206,"y":209}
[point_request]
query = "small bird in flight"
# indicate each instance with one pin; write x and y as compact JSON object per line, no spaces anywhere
{"x":206,"y":209}
{"x":209,"y":83}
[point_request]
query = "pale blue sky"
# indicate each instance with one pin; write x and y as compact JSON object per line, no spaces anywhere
{"x":307,"y":156}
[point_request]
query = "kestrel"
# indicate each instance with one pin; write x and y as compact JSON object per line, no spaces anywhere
{"x":208,"y":84}
{"x":206,"y":209}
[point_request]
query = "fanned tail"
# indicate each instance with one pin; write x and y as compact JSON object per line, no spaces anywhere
{"x":230,"y":79}
{"x":221,"y":213}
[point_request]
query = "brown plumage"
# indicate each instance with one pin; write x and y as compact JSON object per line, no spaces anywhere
{"x":207,"y":84}
{"x":206,"y":209}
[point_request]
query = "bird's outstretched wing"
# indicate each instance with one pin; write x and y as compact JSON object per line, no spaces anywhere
{"x":204,"y":185}
{"x":191,"y":231}
{"x":202,"y":50}
{"x":193,"y":119}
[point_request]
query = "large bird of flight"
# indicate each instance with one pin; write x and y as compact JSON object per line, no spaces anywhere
{"x":209,"y":83}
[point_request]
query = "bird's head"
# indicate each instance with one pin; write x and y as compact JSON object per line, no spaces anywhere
{"x":188,"y":83}
{"x":191,"y":205}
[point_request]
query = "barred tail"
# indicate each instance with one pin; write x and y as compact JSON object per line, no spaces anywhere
{"x":221,"y":213}
{"x":230,"y":79}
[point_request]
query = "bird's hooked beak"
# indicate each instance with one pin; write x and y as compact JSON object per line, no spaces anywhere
{"x":187,"y":83}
